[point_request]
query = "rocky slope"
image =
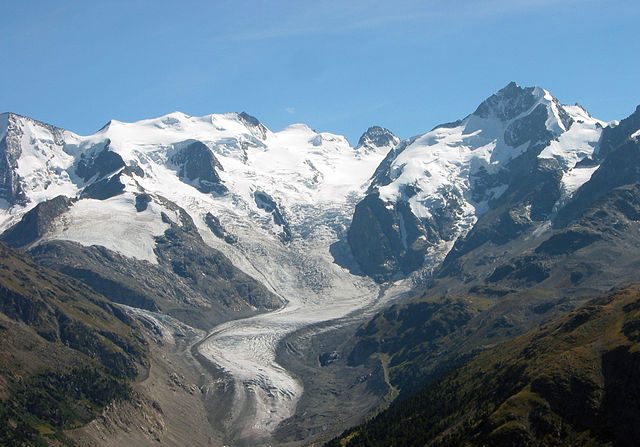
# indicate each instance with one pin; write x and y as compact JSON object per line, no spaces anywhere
{"x":66,"y":353}
{"x":569,"y":382}
{"x":513,"y":162}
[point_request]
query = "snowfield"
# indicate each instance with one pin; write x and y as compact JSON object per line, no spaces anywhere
{"x":121,"y":228}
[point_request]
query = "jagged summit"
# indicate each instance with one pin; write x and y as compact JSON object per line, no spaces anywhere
{"x":509,"y":102}
{"x":432,"y":189}
{"x":376,"y":138}
{"x":514,"y":102}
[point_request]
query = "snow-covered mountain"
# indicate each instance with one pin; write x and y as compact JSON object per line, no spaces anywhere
{"x":242,"y":186}
{"x":520,"y":146}
{"x":214,"y":218}
{"x":209,"y":163}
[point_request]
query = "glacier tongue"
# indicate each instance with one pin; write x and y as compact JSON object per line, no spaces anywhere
{"x":316,"y":290}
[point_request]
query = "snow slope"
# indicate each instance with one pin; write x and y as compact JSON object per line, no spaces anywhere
{"x":453,"y":170}
{"x":121,"y":228}
{"x":308,"y":174}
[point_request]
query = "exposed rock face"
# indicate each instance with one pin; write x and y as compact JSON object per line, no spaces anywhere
{"x":10,"y":188}
{"x":621,"y":166}
{"x":386,"y":241}
{"x":376,"y":138}
{"x":218,"y":230}
{"x":614,"y":136}
{"x":12,"y":134}
{"x":142,"y":202}
{"x":257,"y":128}
{"x":197,"y":165}
{"x":36,"y":222}
{"x":100,"y":168}
{"x":265,"y":202}
{"x":483,"y":178}
{"x":99,"y":163}
{"x":192,"y":281}
{"x":508,"y":103}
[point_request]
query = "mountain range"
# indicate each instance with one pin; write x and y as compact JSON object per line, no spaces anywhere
{"x":287,"y":284}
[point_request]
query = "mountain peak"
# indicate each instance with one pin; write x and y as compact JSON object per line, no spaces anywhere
{"x":252,"y":123}
{"x":248,"y":119}
{"x":377,"y":137}
{"x":510,"y":101}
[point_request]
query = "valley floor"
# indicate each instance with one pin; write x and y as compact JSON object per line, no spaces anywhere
{"x":319,"y":296}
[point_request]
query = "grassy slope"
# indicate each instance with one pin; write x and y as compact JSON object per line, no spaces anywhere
{"x":572,"y":381}
{"x":65,"y":352}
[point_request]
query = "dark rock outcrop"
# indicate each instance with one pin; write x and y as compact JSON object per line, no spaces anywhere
{"x":11,"y":184}
{"x":99,"y":163}
{"x":386,"y":241}
{"x":101,"y":169}
{"x":35,"y":223}
{"x":377,"y":137}
{"x":198,"y":166}
{"x":142,"y":202}
{"x":267,"y":203}
{"x":621,"y":167}
{"x":254,"y":125}
{"x":218,"y":230}
{"x":10,"y":151}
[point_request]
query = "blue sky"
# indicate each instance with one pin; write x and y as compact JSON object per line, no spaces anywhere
{"x":338,"y":66}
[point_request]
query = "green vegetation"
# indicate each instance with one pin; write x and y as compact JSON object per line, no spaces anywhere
{"x":408,"y":334}
{"x":570,"y":382}
{"x":65,"y":353}
{"x":48,"y":403}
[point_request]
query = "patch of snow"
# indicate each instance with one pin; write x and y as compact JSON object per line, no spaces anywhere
{"x":578,"y":142}
{"x":43,"y":165}
{"x":575,"y":178}
{"x":113,"y":223}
